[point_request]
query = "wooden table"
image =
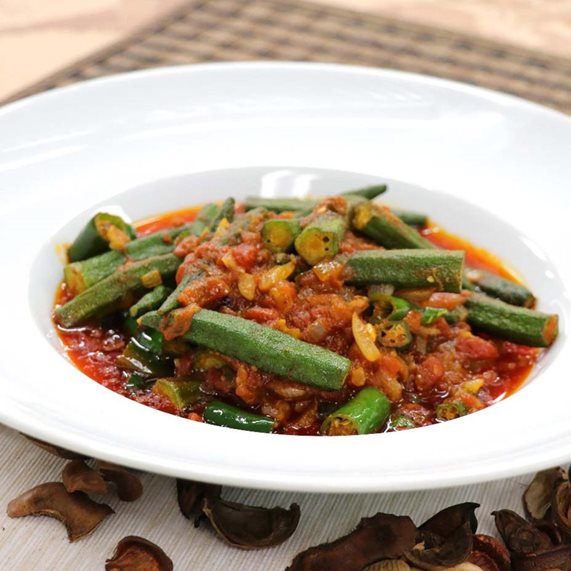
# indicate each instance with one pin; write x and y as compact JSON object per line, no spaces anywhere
{"x":37,"y":38}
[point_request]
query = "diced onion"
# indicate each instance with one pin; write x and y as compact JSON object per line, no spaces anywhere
{"x":152,"y":279}
{"x":274,"y":275}
{"x":247,"y":286}
{"x":364,"y":334}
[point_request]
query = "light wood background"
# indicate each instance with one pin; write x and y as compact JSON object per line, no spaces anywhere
{"x":37,"y":37}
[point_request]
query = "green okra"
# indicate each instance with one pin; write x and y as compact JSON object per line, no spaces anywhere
{"x":268,"y":349}
{"x":150,"y":301}
{"x":204,"y":219}
{"x":386,"y":228}
{"x":280,"y":204}
{"x":368,"y":192}
{"x":181,"y":391}
{"x":113,"y":288}
{"x":502,"y":288}
{"x":410,"y":217}
{"x":279,"y":234}
{"x":80,"y":276}
{"x":321,"y":238}
{"x":438,"y":269}
{"x":226,"y":213}
{"x":510,"y":322}
{"x":103,"y":232}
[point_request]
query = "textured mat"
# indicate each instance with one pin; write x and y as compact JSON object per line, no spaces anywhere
{"x":231,"y":30}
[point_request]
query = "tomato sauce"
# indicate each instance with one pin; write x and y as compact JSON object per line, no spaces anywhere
{"x":319,"y":314}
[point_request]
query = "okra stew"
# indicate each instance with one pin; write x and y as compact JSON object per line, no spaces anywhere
{"x":333,"y":316}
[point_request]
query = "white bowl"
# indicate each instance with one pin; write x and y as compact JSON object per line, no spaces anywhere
{"x":495,"y":169}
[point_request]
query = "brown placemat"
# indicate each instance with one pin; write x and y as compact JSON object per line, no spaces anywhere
{"x":232,"y":30}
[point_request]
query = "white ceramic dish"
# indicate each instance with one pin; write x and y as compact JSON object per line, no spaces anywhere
{"x":157,"y":140}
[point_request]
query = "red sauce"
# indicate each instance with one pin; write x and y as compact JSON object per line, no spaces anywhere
{"x":93,"y":348}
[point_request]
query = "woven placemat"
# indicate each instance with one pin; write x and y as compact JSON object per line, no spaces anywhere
{"x":232,"y":30}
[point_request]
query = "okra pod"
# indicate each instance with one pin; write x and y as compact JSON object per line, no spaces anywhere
{"x":386,"y":228}
{"x":151,"y":300}
{"x":438,"y":269}
{"x":516,"y":324}
{"x":502,"y":288}
{"x":226,"y":213}
{"x":308,"y":204}
{"x":153,"y":318}
{"x":321,"y":238}
{"x":222,"y":414}
{"x":368,"y":192}
{"x":204,"y":219}
{"x":279,"y":234}
{"x":142,"y":360}
{"x":181,"y":392}
{"x":80,"y":276}
{"x":365,"y":413}
{"x":268,"y":349}
{"x":281,"y":204}
{"x":111,"y":289}
{"x":103,"y":232}
{"x":410,"y":217}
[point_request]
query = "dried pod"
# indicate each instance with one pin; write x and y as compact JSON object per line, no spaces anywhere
{"x":389,"y":565}
{"x":561,"y":508}
{"x":55,"y":450}
{"x":190,"y":495}
{"x":489,"y":553}
{"x":449,"y":519}
{"x":482,"y":561}
{"x":77,"y":476}
{"x":129,"y":487}
{"x":77,"y":512}
{"x":382,"y":536}
{"x":556,"y":559}
{"x":250,"y":527}
{"x":520,"y":536}
{"x":551,"y":530}
{"x":537,"y":496}
{"x":138,"y":554}
{"x":433,"y":554}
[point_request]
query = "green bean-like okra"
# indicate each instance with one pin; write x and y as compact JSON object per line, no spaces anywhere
{"x":113,"y":288}
{"x":388,"y":230}
{"x":410,"y":217}
{"x":182,"y":392}
{"x":102,"y":232}
{"x":150,"y":301}
{"x":321,"y":238}
{"x":516,"y":324}
{"x":83,"y":274}
{"x":438,"y":269}
{"x":499,"y":287}
{"x":80,"y":276}
{"x":306,"y":205}
{"x":368,"y":192}
{"x":279,"y":234}
{"x":204,"y":219}
{"x":268,"y":349}
{"x":226,"y":212}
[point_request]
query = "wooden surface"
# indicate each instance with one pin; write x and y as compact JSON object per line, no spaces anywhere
{"x":37,"y":37}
